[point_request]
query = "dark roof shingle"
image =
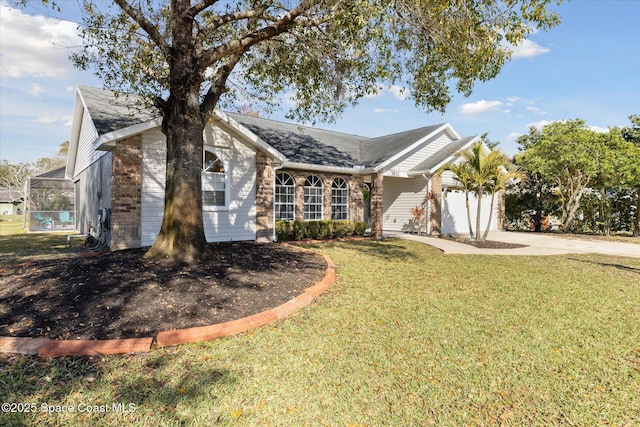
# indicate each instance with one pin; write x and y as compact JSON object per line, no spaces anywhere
{"x":299,"y":144}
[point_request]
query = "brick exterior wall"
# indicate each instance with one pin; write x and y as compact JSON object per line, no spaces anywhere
{"x":265,"y":180}
{"x":436,"y":205}
{"x":356,"y":199}
{"x":377,"y":205}
{"x":126,"y":193}
{"x":500,"y":200}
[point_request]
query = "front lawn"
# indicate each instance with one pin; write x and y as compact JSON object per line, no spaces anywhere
{"x":407,"y":336}
{"x":16,"y":245}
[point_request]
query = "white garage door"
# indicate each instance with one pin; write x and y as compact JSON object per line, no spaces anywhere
{"x":454,"y":213}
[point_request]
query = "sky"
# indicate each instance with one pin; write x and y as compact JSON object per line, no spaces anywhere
{"x":588,"y":67}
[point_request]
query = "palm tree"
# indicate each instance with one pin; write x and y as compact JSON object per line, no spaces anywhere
{"x":507,"y":172}
{"x":480,"y":171}
{"x":463,"y":174}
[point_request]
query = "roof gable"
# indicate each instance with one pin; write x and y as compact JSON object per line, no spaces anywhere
{"x":112,"y":112}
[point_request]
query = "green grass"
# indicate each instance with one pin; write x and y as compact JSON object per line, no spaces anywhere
{"x":407,"y":336}
{"x":11,"y":224}
{"x":16,"y":245}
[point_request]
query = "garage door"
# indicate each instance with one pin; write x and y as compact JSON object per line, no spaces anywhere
{"x":454,"y":213}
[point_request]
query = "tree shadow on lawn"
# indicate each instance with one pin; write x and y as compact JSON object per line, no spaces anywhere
{"x":124,"y":295}
{"x":609,"y":264}
{"x":157,"y":389}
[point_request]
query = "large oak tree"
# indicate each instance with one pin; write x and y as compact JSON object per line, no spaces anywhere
{"x":187,"y":57}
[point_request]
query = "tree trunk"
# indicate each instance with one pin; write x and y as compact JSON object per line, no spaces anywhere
{"x":181,"y":235}
{"x":478,"y":212}
{"x":636,"y":225}
{"x":486,"y":230}
{"x":466,"y":199}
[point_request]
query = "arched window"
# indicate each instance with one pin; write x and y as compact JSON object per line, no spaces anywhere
{"x":339,"y":199}
{"x":214,"y":181}
{"x":285,"y":197}
{"x":313,"y":198}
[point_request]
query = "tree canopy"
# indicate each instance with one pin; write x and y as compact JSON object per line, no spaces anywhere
{"x":574,"y":158}
{"x":326,"y":53}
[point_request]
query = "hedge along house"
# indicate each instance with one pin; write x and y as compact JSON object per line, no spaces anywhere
{"x":256,"y":171}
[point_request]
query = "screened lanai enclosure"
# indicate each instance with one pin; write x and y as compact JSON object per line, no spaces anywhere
{"x":50,"y":202}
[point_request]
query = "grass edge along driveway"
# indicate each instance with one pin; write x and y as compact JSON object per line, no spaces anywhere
{"x":407,"y":336}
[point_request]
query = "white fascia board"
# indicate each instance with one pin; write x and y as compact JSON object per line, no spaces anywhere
{"x":356,"y":170}
{"x":246,"y":134}
{"x":78,"y":112}
{"x":396,"y":174}
{"x":107,"y":140}
{"x":454,"y":155}
{"x":445,"y":127}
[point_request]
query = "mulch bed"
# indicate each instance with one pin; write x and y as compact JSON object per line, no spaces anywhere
{"x":487,"y":244}
{"x":123,"y":295}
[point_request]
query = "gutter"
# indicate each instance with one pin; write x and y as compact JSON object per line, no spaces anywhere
{"x":354,"y":170}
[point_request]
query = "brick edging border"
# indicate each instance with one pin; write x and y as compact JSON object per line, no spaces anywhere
{"x":45,"y":347}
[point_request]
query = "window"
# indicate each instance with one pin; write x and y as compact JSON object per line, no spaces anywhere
{"x":285,"y":197}
{"x":339,"y":199}
{"x":214,"y":181}
{"x":313,"y":198}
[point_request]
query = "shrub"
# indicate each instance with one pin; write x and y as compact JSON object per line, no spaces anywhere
{"x":299,"y":230}
{"x":360,"y":228}
{"x":323,"y":229}
{"x":343,"y":228}
{"x":283,"y":230}
{"x":326,"y":229}
{"x":313,"y":229}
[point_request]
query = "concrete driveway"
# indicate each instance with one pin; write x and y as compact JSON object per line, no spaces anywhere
{"x":537,"y":244}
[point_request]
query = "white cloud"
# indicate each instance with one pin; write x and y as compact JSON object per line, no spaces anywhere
{"x":399,"y":92}
{"x":538,"y":125}
{"x":45,"y":120}
{"x":527,"y":49}
{"x":35,"y":46}
{"x":480,"y":107}
{"x":599,"y":129}
{"x":513,"y":136}
{"x":35,"y":90}
{"x":518,"y":100}
{"x":537,"y":110}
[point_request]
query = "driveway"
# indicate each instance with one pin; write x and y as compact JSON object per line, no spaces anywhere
{"x":537,"y":244}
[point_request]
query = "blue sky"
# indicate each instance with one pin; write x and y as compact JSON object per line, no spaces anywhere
{"x":588,"y":68}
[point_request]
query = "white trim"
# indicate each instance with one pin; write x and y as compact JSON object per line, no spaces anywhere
{"x":445,"y":127}
{"x":448,"y":159}
{"x":355,"y":170}
{"x":246,"y":134}
{"x":107,"y":140}
{"x":227,"y":184}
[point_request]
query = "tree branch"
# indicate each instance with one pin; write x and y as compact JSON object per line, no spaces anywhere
{"x":282,"y":25}
{"x":219,"y":84}
{"x":138,"y":16}
{"x":199,"y":7}
{"x":219,"y":21}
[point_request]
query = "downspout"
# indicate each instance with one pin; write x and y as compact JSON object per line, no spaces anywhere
{"x":274,"y":238}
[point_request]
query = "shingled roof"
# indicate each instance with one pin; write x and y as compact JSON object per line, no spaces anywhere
{"x":297,"y":143}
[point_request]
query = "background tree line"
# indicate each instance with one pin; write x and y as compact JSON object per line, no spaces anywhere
{"x":589,"y":181}
{"x":14,"y":175}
